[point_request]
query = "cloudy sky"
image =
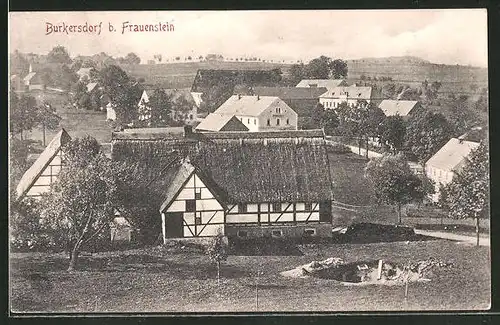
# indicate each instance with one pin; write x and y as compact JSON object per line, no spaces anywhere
{"x":441,"y":36}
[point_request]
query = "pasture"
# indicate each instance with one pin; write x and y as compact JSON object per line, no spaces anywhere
{"x":174,"y":279}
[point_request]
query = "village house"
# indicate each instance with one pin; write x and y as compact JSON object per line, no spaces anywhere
{"x":403,"y":108}
{"x":181,"y":97}
{"x":301,"y":100}
{"x":44,"y":171}
{"x":447,"y":161}
{"x":353,"y":96}
{"x":220,"y":122}
{"x":260,"y":113}
{"x":322,"y":83}
{"x":244,"y":184}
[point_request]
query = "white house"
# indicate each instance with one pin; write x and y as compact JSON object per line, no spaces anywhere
{"x":260,"y":113}
{"x":318,"y":83}
{"x":449,"y":159}
{"x":44,"y":171}
{"x":353,"y":96}
{"x":220,"y":122}
{"x":110,"y":111}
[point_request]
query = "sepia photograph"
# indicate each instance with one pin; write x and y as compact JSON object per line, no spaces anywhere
{"x":242,"y":161}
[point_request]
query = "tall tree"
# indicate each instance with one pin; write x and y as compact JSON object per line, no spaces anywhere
{"x":467,"y":196}
{"x":160,"y":107}
{"x":80,"y":203}
{"x":23,"y":114}
{"x":338,"y":69}
{"x":59,"y":54}
{"x":426,"y":133}
{"x":392,"y":132}
{"x":217,"y":251}
{"x":394,"y":182}
{"x":132,"y":58}
{"x":318,"y":68}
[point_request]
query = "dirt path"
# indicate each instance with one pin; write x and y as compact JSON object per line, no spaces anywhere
{"x":445,"y":235}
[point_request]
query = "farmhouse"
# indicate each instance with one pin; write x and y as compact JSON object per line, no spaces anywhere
{"x":241,"y":183}
{"x":180,"y":97}
{"x":449,"y":159}
{"x":301,"y":100}
{"x":353,"y":96}
{"x":403,"y":108}
{"x":260,"y":113}
{"x":44,"y":171}
{"x":220,"y":122}
{"x":322,"y":83}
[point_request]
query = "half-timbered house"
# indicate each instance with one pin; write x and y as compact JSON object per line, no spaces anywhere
{"x":275,"y":184}
{"x":44,"y":171}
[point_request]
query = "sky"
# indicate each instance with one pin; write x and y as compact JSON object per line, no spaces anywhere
{"x":452,"y":36}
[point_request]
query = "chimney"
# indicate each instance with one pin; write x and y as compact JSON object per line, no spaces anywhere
{"x":239,"y":96}
{"x":258,"y":97}
{"x":188,"y":131}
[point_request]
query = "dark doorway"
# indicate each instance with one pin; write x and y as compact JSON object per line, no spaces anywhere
{"x":173,"y":225}
{"x":325,"y":211}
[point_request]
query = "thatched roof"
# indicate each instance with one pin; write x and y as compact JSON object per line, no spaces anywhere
{"x":207,"y":78}
{"x":32,"y":174}
{"x":243,"y":167}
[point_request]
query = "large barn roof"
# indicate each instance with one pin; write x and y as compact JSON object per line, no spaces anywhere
{"x":246,"y":167}
{"x":353,"y":92}
{"x":397,"y":107}
{"x":31,"y":175}
{"x":452,"y":154}
{"x":327,"y":83}
{"x":290,"y":92}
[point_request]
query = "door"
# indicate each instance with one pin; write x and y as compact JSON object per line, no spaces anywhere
{"x":173,"y":225}
{"x":325,"y":211}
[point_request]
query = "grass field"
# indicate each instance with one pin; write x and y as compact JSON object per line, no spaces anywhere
{"x":175,"y":280}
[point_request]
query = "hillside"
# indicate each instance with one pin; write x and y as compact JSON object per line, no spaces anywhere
{"x":181,"y":75}
{"x":454,"y":78}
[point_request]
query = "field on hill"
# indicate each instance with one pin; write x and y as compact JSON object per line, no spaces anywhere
{"x":181,"y":75}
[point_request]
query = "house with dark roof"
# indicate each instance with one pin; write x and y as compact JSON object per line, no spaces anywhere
{"x":301,"y":100}
{"x":46,"y":168}
{"x":322,"y":83}
{"x":220,"y":122}
{"x":260,"y":113}
{"x":447,"y":161}
{"x":403,"y":108}
{"x":176,"y":95}
{"x":244,"y":184}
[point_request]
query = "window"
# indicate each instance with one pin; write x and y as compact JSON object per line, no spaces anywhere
{"x":278,"y":110}
{"x":277,"y":121}
{"x":197,"y":195}
{"x":310,"y":232}
{"x":242,"y":233}
{"x":268,"y":122}
{"x":190,"y":205}
{"x":254,"y":121}
{"x":276,"y":207}
{"x":277,"y":233}
{"x":308,"y":206}
{"x":197,"y":219}
{"x":242,"y":208}
{"x":287,"y":121}
{"x":248,"y":121}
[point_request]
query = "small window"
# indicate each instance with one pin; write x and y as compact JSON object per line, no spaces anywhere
{"x":277,"y":233}
{"x":276,"y":207}
{"x":248,"y":121}
{"x":310,"y":232}
{"x":242,"y":208}
{"x":242,"y":233}
{"x":278,"y":110}
{"x":190,"y":205}
{"x":308,"y":206}
{"x":197,"y":195}
{"x":254,"y":121}
{"x":287,"y":121}
{"x":268,"y":122}
{"x":197,"y":219}
{"x":277,"y":121}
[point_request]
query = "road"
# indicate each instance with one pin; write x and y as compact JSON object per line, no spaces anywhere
{"x":462,"y":238}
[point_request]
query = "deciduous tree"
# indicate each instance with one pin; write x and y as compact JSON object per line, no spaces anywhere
{"x":217,"y":251}
{"x":59,"y":54}
{"x":467,"y":196}
{"x":394,"y":182}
